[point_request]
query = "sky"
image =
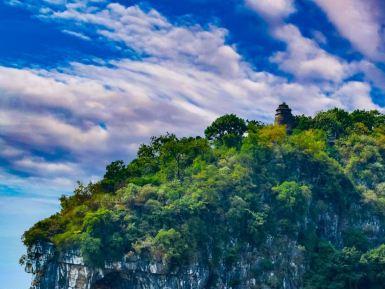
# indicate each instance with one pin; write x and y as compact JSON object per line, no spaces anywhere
{"x":85,"y":82}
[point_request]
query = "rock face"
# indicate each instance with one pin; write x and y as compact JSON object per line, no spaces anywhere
{"x":67,"y":270}
{"x":267,"y":268}
{"x":279,"y":262}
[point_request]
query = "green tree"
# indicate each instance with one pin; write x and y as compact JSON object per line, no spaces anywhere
{"x":293,"y":198}
{"x":177,"y":154}
{"x":370,"y":119}
{"x":103,"y":237}
{"x":334,"y":269}
{"x":169,"y":246}
{"x":310,"y":141}
{"x":374,"y":262}
{"x":227,"y":130}
{"x":116,"y":174}
{"x":334,"y":122}
{"x":363,"y":159}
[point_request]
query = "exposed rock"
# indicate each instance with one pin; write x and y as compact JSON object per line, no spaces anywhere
{"x":277,"y":263}
{"x":68,"y":271}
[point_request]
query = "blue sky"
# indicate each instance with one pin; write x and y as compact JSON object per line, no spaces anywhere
{"x":83,"y":83}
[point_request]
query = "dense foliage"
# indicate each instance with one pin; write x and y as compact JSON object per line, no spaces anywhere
{"x":183,"y":197}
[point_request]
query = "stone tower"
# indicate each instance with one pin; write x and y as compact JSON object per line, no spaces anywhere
{"x":283,"y":116}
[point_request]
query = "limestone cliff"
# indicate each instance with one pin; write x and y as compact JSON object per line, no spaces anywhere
{"x":277,"y":263}
{"x":68,"y":271}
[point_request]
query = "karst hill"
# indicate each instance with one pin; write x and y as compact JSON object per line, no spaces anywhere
{"x":298,"y":204}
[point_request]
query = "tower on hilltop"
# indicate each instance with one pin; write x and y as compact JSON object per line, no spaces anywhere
{"x":283,"y":116}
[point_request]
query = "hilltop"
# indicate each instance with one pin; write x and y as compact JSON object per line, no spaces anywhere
{"x":249,"y":205}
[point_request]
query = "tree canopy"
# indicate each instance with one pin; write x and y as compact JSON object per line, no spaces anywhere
{"x":227,"y":129}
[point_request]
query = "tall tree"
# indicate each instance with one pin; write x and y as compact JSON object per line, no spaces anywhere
{"x":227,"y":130}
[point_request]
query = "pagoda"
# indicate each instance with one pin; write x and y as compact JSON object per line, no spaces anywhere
{"x":283,"y":116}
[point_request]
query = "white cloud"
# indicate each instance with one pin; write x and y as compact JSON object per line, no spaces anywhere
{"x":152,"y":34}
{"x":76,"y":34}
{"x":305,"y":59}
{"x":44,"y":130}
{"x":355,"y":94}
{"x":39,"y":166}
{"x":371,"y":72}
{"x":360,"y":21}
{"x":272,"y":9}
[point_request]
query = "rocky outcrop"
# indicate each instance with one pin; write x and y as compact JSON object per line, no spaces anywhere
{"x":67,"y":270}
{"x":277,"y":263}
{"x":280,"y":264}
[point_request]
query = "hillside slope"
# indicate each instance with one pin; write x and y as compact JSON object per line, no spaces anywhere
{"x":248,"y":206}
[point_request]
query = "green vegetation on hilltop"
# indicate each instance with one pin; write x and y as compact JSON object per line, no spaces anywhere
{"x":184,"y":197}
